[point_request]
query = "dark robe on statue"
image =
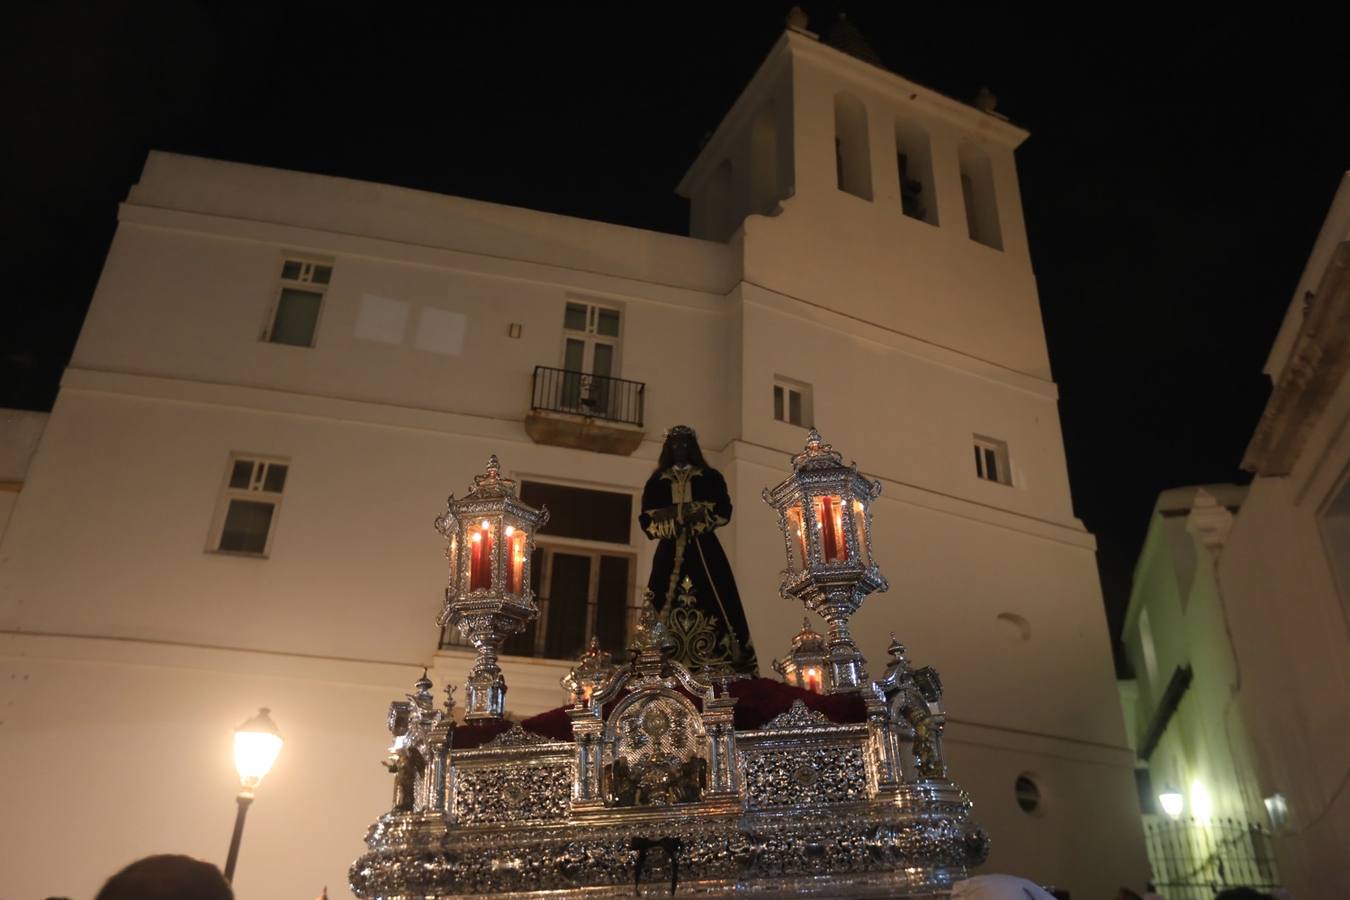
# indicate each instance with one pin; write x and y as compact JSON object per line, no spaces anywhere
{"x":691,"y":581}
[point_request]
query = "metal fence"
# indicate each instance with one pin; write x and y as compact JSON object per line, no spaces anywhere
{"x":1194,"y":860}
{"x":583,"y":394}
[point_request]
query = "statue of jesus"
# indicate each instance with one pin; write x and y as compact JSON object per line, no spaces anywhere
{"x":691,"y":584}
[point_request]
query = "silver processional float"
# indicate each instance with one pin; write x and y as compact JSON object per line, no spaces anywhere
{"x":657,"y":779}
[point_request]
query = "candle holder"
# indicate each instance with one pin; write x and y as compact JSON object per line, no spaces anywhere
{"x":804,"y":666}
{"x":490,"y":535}
{"x":824,"y":512}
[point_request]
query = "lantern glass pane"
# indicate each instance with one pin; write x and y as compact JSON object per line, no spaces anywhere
{"x":830,"y":518}
{"x":796,"y":523}
{"x":860,"y":531}
{"x":515,"y":561}
{"x":453,"y":555}
{"x":480,"y":567}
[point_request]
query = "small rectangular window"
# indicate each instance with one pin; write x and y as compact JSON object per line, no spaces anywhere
{"x":991,"y":460}
{"x":300,"y":293}
{"x":248,"y":510}
{"x":792,"y":401}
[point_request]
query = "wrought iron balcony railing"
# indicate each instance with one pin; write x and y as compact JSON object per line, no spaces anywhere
{"x":1195,"y":860}
{"x":583,"y":394}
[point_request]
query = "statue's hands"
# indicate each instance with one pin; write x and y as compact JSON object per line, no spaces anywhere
{"x":662,"y":523}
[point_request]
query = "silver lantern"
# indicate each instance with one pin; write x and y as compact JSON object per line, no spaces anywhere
{"x":491,"y":541}
{"x":824,"y":511}
{"x":804,"y":666}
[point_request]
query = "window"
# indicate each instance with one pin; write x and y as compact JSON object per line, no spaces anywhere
{"x":720,"y":219}
{"x":914,"y":164}
{"x":1333,"y":520}
{"x":1028,"y":794}
{"x":248,"y":509}
{"x":591,"y":341}
{"x":764,"y":161}
{"x":582,"y":593}
{"x":1143,"y":785}
{"x":852,"y":157}
{"x":792,"y":401}
{"x":991,"y":460}
{"x":582,"y":574}
{"x":299,"y":298}
{"x":977,"y":186}
{"x":1148,"y":649}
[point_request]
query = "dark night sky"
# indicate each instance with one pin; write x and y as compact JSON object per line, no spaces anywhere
{"x":1180,"y":163}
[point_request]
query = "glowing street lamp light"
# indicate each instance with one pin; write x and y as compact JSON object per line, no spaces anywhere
{"x":1171,"y":801}
{"x":256,"y":745}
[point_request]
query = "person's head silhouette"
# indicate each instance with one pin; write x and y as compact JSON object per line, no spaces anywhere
{"x":167,"y":877}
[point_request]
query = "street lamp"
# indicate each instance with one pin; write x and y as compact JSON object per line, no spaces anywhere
{"x":256,"y":745}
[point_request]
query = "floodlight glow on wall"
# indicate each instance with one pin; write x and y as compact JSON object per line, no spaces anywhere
{"x":1172,"y":802}
{"x":256,"y":745}
{"x":1202,"y":805}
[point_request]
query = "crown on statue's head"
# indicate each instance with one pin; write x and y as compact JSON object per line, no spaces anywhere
{"x":680,"y":431}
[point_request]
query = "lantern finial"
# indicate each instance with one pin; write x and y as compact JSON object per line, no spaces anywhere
{"x":816,"y":454}
{"x":651,"y":634}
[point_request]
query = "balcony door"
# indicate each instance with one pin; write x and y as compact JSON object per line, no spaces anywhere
{"x":591,"y":334}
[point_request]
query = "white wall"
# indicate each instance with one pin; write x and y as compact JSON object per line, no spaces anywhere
{"x":122,"y":749}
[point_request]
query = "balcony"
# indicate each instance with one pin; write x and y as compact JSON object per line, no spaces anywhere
{"x":588,"y":412}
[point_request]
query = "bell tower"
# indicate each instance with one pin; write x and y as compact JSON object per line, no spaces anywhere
{"x":860,"y":191}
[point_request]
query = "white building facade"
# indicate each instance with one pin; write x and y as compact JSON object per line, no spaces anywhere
{"x":281,"y":376}
{"x":1238,"y":628}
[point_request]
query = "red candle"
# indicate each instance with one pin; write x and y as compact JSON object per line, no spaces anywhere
{"x":480,"y":573}
{"x":830,"y":513}
{"x":812,"y":675}
{"x":515,"y":571}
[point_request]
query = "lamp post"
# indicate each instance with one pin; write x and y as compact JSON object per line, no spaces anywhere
{"x":256,"y":745}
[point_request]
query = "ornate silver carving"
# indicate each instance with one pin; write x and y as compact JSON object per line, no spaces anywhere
{"x":798,"y":715}
{"x":490,"y":542}
{"x":805,"y":777}
{"x":520,"y":793}
{"x":824,"y":511}
{"x":516,"y":736}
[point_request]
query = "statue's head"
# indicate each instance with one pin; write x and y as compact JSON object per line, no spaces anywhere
{"x":681,"y":449}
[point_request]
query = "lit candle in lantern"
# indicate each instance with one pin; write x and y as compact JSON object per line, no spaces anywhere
{"x":516,"y":571}
{"x":799,"y":534}
{"x":480,"y":573}
{"x":811,"y":678}
{"x":830,"y":514}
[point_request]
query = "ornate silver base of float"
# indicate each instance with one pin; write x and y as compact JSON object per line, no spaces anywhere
{"x":799,"y":806}
{"x":648,"y":784}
